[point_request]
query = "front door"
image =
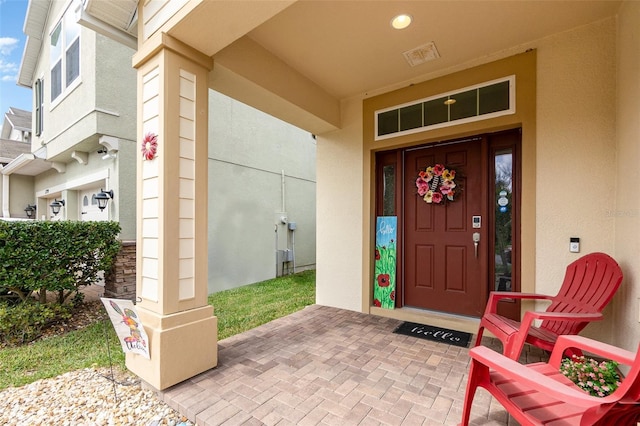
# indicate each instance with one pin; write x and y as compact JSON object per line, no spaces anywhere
{"x":89,"y":209}
{"x":445,"y":243}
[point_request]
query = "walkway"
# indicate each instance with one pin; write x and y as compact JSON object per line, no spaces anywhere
{"x":327,"y":366}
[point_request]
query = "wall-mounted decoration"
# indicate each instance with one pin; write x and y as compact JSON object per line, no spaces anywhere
{"x":436,"y":184}
{"x":149,"y":146}
{"x":384,"y":285}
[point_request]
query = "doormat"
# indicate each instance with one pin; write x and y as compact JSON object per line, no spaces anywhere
{"x":436,"y":334}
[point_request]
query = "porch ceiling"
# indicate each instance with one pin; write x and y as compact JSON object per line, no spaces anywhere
{"x":348,"y":48}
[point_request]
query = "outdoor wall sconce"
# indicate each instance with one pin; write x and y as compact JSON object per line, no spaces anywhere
{"x":103,"y":198}
{"x":55,"y":206}
{"x":30,"y":210}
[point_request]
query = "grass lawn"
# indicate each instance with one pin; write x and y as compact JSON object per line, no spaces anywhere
{"x":237,"y":310}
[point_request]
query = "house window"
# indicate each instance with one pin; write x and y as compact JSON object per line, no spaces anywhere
{"x":39,"y":92}
{"x":503,"y":225}
{"x":480,"y":102}
{"x":64,"y":54}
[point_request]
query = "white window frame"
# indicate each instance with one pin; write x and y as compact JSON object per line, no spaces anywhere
{"x":65,"y":87}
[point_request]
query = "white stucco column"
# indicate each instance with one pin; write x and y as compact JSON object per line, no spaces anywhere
{"x":172,"y":214}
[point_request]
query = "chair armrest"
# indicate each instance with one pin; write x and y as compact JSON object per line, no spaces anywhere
{"x":496,"y":296}
{"x":525,"y":375}
{"x":564,"y":316}
{"x":595,"y":347}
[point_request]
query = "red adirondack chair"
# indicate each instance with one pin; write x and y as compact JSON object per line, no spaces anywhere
{"x":589,"y":285}
{"x":539,"y":394}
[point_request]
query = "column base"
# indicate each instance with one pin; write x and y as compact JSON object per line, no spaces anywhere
{"x":181,"y":345}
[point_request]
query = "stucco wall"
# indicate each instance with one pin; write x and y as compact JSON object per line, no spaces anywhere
{"x":626,"y":216}
{"x":248,"y":151}
{"x":576,"y":151}
{"x":20,"y":194}
{"x":115,"y":88}
{"x":339,"y":273}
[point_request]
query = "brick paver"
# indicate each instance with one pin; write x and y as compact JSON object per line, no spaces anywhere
{"x":327,"y":366}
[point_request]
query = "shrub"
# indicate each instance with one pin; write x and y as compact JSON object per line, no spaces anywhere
{"x":598,"y":378}
{"x":55,"y":256}
{"x":24,"y":322}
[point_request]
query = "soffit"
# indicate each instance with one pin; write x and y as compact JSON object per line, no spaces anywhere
{"x":121,"y":14}
{"x":34,"y":24}
{"x":349,"y":47}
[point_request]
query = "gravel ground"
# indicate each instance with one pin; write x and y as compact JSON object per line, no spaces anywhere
{"x":86,"y":397}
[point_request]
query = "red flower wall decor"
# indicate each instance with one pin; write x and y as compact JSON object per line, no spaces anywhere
{"x":149,"y":146}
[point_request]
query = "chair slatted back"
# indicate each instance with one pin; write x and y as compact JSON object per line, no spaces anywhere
{"x":589,"y":285}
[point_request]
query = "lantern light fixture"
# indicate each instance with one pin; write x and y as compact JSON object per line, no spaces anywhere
{"x":103,"y":198}
{"x":30,"y":210}
{"x":56,"y":205}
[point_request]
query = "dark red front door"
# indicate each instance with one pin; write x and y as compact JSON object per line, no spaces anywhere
{"x":444,"y":269}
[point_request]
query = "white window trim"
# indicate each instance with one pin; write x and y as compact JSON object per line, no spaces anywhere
{"x":66,"y":90}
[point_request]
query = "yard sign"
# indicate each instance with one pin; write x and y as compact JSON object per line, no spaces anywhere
{"x":128,"y":326}
{"x":384,"y":283}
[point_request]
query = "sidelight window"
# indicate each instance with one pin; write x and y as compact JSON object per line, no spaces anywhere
{"x":503,"y":225}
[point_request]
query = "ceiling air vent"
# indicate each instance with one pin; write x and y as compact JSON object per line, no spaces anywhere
{"x":421,"y":54}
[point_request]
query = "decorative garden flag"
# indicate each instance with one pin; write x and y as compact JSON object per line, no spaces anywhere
{"x":128,"y":326}
{"x":384,"y":285}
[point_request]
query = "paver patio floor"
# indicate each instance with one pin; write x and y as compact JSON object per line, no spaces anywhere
{"x":328,"y":366}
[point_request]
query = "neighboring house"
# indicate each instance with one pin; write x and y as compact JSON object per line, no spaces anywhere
{"x":85,"y":141}
{"x":16,"y":190}
{"x":261,"y":169}
{"x":545,"y":91}
{"x":17,"y":125}
{"x":84,"y":117}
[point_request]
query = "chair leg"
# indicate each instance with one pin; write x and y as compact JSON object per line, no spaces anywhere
{"x":479,"y":335}
{"x":477,"y":373}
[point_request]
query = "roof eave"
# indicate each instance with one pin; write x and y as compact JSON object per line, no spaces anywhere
{"x":34,"y":25}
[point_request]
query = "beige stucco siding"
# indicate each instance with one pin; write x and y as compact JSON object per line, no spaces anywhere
{"x":576,"y":150}
{"x":626,"y":216}
{"x":20,"y":194}
{"x":340,"y":213}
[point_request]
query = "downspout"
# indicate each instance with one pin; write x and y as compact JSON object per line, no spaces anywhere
{"x":283,"y":193}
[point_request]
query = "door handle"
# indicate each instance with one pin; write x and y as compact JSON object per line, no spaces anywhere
{"x":476,"y":240}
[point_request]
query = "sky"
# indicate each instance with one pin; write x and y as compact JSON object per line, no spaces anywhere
{"x":12,"y":41}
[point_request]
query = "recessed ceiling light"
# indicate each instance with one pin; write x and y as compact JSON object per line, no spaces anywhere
{"x":450,"y":101}
{"x":401,"y":21}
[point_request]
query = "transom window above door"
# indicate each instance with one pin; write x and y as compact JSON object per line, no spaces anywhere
{"x":473,"y":103}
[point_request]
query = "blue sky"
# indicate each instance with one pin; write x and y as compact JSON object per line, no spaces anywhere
{"x":12,"y":41}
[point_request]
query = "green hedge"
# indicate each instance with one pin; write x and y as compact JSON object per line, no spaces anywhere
{"x":64,"y":256}
{"x":25,"y":322}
